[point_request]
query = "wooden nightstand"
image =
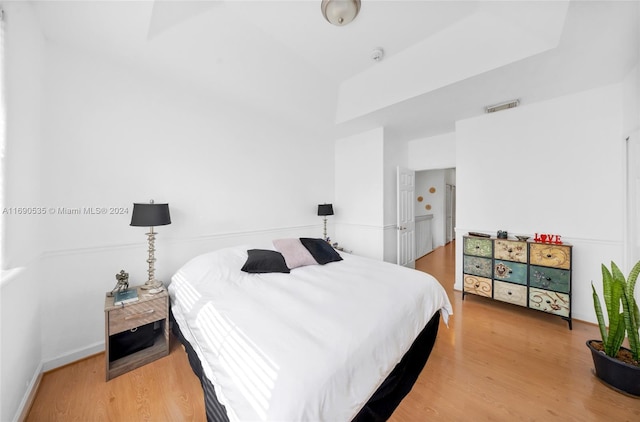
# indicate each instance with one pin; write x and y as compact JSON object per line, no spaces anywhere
{"x":150,"y":315}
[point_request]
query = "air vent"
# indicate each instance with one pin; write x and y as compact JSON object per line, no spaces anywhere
{"x":503,"y":106}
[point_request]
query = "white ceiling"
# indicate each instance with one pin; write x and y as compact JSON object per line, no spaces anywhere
{"x":253,"y":50}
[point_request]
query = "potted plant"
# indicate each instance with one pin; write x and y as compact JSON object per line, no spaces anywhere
{"x":616,"y":365}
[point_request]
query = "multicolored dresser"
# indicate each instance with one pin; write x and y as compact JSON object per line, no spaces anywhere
{"x":528,"y":274}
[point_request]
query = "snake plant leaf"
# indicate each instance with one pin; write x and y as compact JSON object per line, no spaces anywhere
{"x":614,"y":282}
{"x":598,"y":307}
{"x":607,"y":293}
{"x":631,"y":286}
{"x":631,"y":327}
{"x":632,"y":314}
{"x":616,"y":337}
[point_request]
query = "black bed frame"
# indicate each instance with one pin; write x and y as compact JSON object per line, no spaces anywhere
{"x":381,"y":404}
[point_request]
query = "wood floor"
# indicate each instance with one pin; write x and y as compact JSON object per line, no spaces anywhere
{"x":495,"y":362}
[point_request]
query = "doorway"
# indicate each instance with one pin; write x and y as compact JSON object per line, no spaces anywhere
{"x":435,"y":194}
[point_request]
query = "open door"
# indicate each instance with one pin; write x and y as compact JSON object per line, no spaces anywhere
{"x":406,"y":226}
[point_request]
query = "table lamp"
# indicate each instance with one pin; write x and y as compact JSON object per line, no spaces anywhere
{"x":324,"y":210}
{"x":150,"y":215}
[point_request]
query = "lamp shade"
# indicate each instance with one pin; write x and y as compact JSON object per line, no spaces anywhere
{"x":150,"y":215}
{"x":325,"y":209}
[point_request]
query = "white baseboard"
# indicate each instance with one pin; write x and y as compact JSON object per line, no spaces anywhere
{"x":73,"y":356}
{"x":29,"y":395}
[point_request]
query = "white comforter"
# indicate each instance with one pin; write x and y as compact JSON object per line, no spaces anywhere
{"x":312,"y":345}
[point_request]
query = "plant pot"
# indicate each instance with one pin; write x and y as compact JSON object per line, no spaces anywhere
{"x":617,"y":374}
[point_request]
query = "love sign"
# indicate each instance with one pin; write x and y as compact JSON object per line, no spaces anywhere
{"x":547,"y":238}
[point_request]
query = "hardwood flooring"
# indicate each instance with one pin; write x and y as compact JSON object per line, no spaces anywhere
{"x":495,"y":362}
{"x":164,"y":390}
{"x":500,"y":362}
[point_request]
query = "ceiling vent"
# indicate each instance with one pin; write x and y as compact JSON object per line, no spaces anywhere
{"x":502,"y":106}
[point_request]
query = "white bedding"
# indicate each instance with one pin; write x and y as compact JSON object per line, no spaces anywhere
{"x":312,"y":345}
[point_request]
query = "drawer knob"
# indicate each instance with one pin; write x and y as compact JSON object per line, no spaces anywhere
{"x":548,"y":278}
{"x":548,"y":255}
{"x":477,"y":284}
{"x":510,"y":250}
{"x":508,"y":293}
{"x":477,"y":266}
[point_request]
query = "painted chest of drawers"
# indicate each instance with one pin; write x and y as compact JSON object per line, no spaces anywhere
{"x":527,"y":274}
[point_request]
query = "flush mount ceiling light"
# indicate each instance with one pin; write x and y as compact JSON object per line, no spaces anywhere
{"x":340,"y":12}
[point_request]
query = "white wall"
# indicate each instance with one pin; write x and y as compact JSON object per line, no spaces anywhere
{"x":20,"y":341}
{"x":359,"y":193}
{"x":366,"y":190}
{"x":435,"y":152}
{"x":22,"y":188}
{"x":553,"y":167}
{"x":631,"y":101}
{"x":113,"y":136}
{"x":102,"y":133}
{"x":631,"y":130}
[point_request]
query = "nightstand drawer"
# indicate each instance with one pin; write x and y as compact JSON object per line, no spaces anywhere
{"x":136,"y":314}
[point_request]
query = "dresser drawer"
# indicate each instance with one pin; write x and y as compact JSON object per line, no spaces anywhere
{"x":136,"y":314}
{"x":547,"y":278}
{"x":510,"y":250}
{"x":513,"y":272}
{"x":508,"y":292}
{"x":477,"y":285}
{"x":478,"y":246}
{"x":558,"y":256}
{"x":477,"y":266}
{"x":547,"y":301}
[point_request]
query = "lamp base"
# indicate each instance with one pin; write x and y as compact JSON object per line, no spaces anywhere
{"x":151,"y":284}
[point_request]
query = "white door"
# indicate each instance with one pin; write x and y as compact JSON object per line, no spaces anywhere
{"x":406,"y":226}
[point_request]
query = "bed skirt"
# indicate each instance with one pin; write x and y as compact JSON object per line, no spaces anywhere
{"x":381,"y":404}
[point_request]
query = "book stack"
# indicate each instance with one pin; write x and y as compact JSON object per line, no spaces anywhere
{"x":125,"y":296}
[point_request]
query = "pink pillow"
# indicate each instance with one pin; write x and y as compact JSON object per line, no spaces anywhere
{"x":294,"y":252}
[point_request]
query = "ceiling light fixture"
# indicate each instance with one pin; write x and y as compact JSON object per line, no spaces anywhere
{"x":340,"y":12}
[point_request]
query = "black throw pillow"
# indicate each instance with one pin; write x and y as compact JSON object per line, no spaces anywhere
{"x":265,"y":261}
{"x":321,"y":251}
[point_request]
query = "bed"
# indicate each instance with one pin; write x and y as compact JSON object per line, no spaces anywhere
{"x":342,"y":340}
